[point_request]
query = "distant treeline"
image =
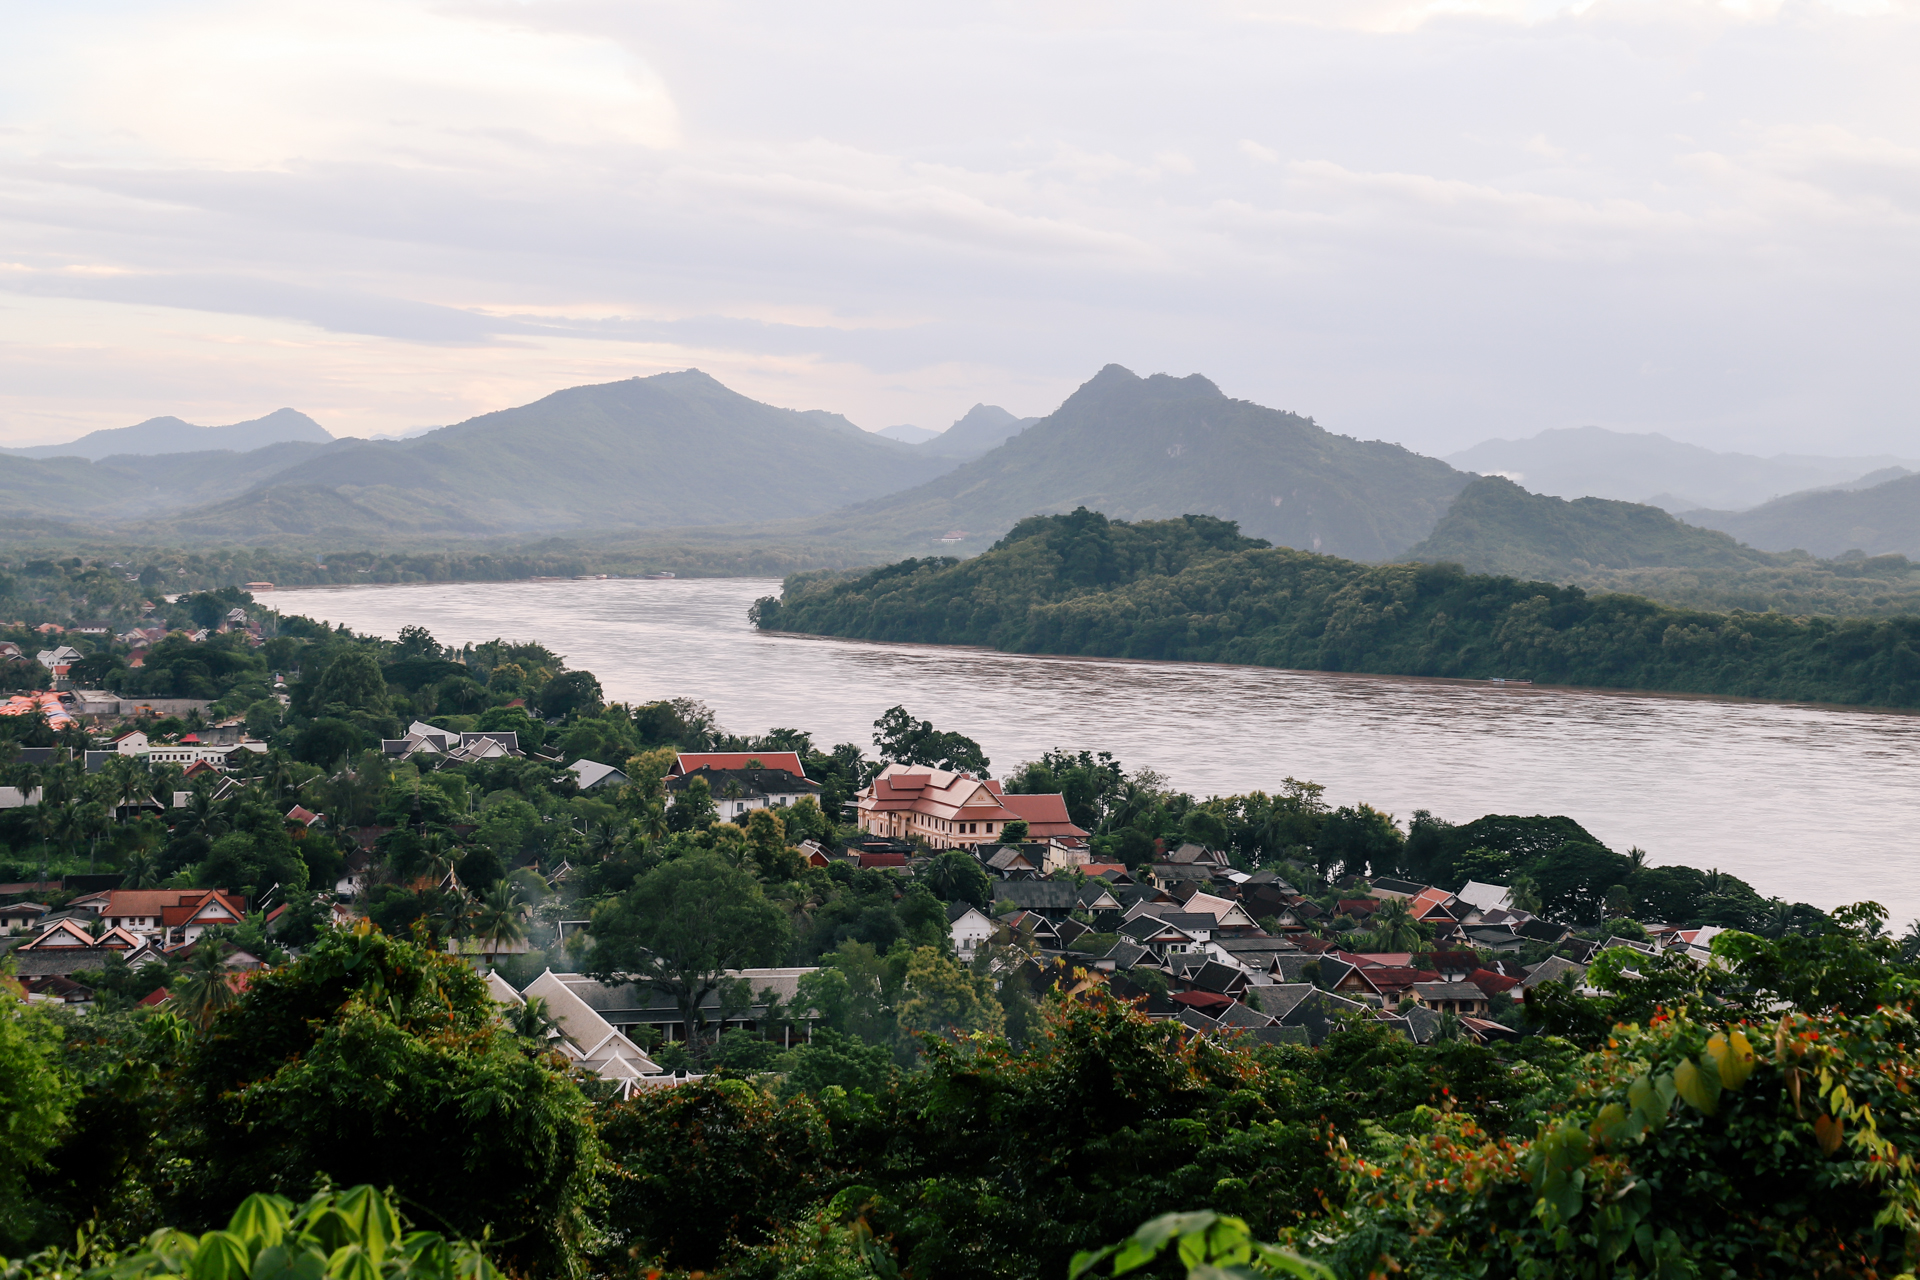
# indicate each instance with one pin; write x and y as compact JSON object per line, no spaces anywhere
{"x":99,"y":583}
{"x":1193,"y":589}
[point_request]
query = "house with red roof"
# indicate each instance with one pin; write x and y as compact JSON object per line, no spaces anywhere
{"x":689,"y":761}
{"x":957,"y":810}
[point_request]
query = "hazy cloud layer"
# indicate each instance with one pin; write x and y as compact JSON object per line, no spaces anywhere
{"x":1430,"y":223}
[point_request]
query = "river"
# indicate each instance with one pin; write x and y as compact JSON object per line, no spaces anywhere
{"x":1813,"y":804}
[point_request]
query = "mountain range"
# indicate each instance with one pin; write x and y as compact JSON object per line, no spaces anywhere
{"x":680,"y":452}
{"x":1159,"y":447}
{"x":1877,"y":519}
{"x":171,"y":435}
{"x":1593,"y":462}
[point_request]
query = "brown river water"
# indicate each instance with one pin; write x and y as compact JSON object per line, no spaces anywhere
{"x":1814,"y":804}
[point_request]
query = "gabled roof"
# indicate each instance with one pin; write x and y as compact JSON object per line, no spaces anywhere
{"x":1243,"y":1017}
{"x":1494,"y":984}
{"x":1280,"y":998}
{"x":1214,"y":976}
{"x":1144,"y":928}
{"x":1554,"y":969}
{"x":591,"y":773}
{"x":1487,"y":897}
{"x":688,"y":761}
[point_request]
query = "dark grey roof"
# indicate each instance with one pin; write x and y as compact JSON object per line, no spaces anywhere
{"x":1039,"y":895}
{"x":1423,"y":1024}
{"x":1407,"y":887}
{"x":1239,"y":1015}
{"x":1553,"y":969}
{"x":1321,"y":1012}
{"x":1280,"y":998}
{"x":1219,"y":978}
{"x":1544,"y":931}
{"x":957,"y":909}
{"x":1126,"y":954}
{"x":1148,"y":927}
{"x":1194,"y":1020}
{"x":1256,"y":946}
{"x":1191,"y":921}
{"x":1292,"y":965}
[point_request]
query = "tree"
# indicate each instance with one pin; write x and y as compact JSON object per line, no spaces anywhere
{"x":904,"y":740}
{"x":1357,"y":840}
{"x":941,"y":998}
{"x":709,"y":1168}
{"x":36,"y":1094}
{"x":681,"y":927}
{"x":1394,"y":928}
{"x":353,"y":688}
{"x":569,"y":693}
{"x":205,"y":985}
{"x":1013,"y":832}
{"x":376,"y":1060}
{"x":327,"y":742}
{"x":957,"y":876}
{"x":497,"y":916}
{"x":416,"y":642}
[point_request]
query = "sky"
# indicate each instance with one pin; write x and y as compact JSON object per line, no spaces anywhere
{"x":1431,"y":223}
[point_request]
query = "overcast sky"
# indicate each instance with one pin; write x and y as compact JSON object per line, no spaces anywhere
{"x":1429,"y":223}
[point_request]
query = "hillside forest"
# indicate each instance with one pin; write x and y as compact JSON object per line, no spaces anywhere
{"x":992,"y":1118}
{"x":1194,"y":589}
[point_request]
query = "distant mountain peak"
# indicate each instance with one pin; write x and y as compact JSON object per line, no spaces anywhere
{"x":173,"y":435}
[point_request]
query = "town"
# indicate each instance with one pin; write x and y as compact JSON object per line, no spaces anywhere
{"x":635,"y":915}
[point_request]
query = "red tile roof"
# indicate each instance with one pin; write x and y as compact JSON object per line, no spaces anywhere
{"x":1201,"y":999}
{"x":688,"y":761}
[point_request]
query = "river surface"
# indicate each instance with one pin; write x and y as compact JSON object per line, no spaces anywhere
{"x":1813,"y":804}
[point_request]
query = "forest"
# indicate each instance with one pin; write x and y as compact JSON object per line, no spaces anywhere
{"x":1193,"y":589}
{"x":362,"y":1105}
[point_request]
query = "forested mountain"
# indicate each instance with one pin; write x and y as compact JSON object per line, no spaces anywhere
{"x":675,"y":450}
{"x":1495,"y":526}
{"x":1576,"y":462}
{"x":1880,"y":520}
{"x":171,"y":435}
{"x":1153,"y":448}
{"x":1192,"y":589}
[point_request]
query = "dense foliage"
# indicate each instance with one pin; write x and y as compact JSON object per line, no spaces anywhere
{"x":1192,"y":590}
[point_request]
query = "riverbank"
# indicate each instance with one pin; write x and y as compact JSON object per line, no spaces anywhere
{"x":1759,"y":789}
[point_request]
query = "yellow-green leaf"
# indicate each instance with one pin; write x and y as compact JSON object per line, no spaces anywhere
{"x":1735,"y":1059}
{"x":1700,"y":1089}
{"x":221,"y":1256}
{"x":261,"y":1221}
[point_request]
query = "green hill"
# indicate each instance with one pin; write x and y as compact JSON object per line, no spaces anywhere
{"x":1194,"y":590}
{"x":1153,"y":448}
{"x":1495,"y":526}
{"x":1881,"y":520}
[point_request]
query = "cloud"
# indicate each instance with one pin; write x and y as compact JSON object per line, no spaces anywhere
{"x":1427,"y":221}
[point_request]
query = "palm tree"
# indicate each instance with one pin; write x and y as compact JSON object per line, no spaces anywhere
{"x":1394,"y":928}
{"x":496,"y":918}
{"x":142,"y":871}
{"x":1524,"y":894}
{"x":534,"y":1019}
{"x":203,"y":988}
